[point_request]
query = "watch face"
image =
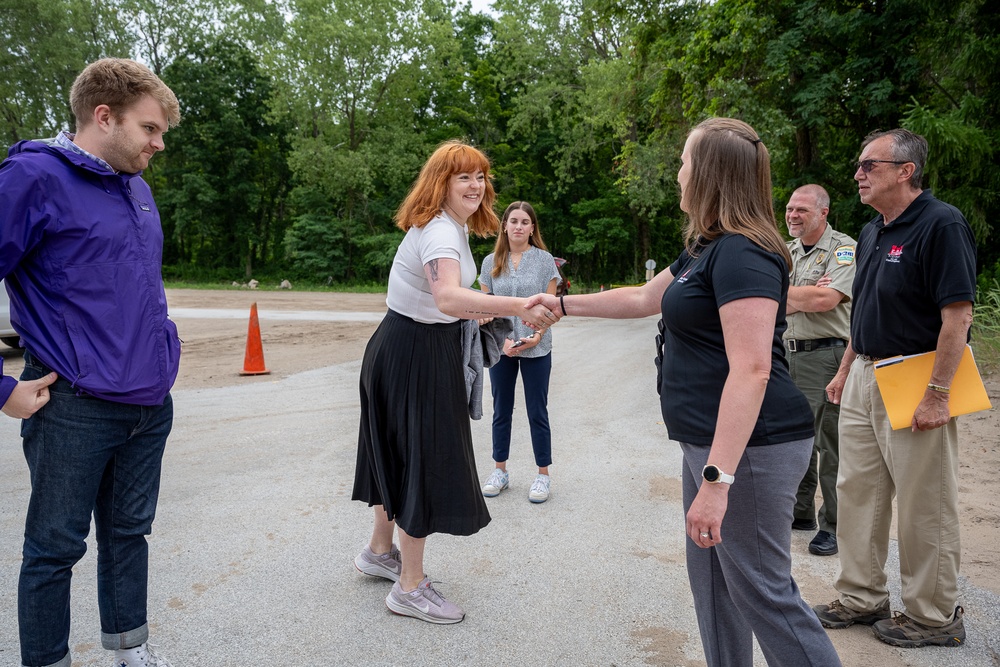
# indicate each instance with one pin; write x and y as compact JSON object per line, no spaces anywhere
{"x":711,"y":474}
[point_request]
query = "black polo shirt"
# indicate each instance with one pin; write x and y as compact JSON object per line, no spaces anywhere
{"x":695,"y":365}
{"x":907,"y":271}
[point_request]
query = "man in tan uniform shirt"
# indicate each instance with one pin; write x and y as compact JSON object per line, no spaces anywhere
{"x":818,"y":328}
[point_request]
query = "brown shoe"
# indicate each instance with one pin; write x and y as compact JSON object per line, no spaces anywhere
{"x":835,"y":615}
{"x":901,"y":630}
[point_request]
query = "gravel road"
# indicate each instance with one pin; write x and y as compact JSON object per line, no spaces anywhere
{"x":254,"y":540}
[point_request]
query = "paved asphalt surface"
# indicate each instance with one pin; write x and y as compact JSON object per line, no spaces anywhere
{"x":255,"y":536}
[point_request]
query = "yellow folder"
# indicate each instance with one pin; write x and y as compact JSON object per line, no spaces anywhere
{"x":902,"y":382}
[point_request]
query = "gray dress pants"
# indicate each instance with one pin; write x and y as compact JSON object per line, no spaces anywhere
{"x":743,"y":587}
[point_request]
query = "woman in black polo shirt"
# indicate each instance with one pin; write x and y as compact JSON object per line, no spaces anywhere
{"x":726,"y":396}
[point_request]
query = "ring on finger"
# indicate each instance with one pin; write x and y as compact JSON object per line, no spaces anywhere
{"x":706,"y":535}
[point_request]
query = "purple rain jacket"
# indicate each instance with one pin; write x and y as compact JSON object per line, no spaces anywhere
{"x":81,"y":250}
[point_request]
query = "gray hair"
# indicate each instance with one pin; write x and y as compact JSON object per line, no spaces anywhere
{"x":817,"y":191}
{"x":906,"y":147}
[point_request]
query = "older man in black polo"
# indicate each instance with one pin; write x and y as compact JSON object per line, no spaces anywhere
{"x":913,"y":292}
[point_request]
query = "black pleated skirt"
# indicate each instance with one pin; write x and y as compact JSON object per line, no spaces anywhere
{"x":415,"y":454}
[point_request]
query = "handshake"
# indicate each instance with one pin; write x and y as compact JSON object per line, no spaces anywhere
{"x":542,"y":311}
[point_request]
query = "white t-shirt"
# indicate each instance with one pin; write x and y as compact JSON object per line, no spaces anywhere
{"x":409,"y":292}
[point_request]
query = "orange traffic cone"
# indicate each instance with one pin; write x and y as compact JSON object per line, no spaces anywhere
{"x":253,"y":362}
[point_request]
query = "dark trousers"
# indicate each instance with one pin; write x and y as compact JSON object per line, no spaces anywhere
{"x":812,"y":371}
{"x":503,"y":379}
{"x":87,"y":457}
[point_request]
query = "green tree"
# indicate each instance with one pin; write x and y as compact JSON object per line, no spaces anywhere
{"x":547,"y":152}
{"x":814,"y":77}
{"x":46,"y":43}
{"x":354,"y":86}
{"x":226,"y":176}
{"x":307,"y":120}
{"x":160,"y":31}
{"x":959,"y":113}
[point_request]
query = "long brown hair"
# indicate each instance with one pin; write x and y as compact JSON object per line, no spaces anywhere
{"x":729,"y":190}
{"x":428,"y":193}
{"x":501,"y":250}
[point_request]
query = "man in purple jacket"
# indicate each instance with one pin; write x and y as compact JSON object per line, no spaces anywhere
{"x":80,"y":249}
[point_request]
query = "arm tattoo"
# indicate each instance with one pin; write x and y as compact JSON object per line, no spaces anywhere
{"x":433,"y":266}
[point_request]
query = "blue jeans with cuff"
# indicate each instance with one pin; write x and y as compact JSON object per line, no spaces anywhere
{"x":87,"y":456}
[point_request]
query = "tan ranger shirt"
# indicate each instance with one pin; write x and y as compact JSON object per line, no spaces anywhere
{"x":833,"y":254}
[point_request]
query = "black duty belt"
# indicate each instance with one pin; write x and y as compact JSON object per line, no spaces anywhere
{"x":815,"y":344}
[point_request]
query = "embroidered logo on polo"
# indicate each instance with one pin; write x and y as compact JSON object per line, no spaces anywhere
{"x":845,"y":255}
{"x":683,"y":278}
{"x":894,"y":254}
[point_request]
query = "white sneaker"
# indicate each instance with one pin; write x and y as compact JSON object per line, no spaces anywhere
{"x":497,"y":482}
{"x":142,"y":655}
{"x":540,"y":489}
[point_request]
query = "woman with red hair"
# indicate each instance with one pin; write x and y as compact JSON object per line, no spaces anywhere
{"x":415,"y":460}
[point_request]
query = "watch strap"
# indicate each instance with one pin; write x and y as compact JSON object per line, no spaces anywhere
{"x":722,"y":478}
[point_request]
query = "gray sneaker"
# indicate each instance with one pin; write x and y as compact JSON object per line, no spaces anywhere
{"x":385,"y":565}
{"x":497,"y":482}
{"x":424,"y":603}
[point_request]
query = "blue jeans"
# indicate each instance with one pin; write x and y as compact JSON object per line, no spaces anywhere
{"x":87,"y":456}
{"x":503,"y":380}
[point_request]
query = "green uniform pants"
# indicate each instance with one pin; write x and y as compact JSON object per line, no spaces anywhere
{"x":812,"y":371}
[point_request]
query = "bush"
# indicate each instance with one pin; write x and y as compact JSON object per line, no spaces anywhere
{"x":986,"y":328}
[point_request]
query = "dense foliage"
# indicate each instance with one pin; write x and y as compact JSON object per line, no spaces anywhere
{"x":305,"y":121}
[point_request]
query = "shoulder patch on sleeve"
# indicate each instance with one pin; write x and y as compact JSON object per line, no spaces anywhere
{"x":845,"y":255}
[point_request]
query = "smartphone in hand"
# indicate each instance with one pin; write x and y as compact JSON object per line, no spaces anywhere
{"x":518,"y":343}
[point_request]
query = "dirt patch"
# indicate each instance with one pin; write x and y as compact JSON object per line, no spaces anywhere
{"x":979,"y":493}
{"x":279,"y":300}
{"x":213,"y":348}
{"x":665,"y":647}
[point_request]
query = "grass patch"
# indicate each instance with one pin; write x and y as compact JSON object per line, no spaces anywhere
{"x":986,"y":329}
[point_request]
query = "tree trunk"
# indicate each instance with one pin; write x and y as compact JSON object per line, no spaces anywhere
{"x":645,"y":242}
{"x":804,"y":150}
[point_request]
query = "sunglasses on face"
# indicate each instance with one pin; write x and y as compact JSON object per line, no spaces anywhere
{"x":867,"y":165}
